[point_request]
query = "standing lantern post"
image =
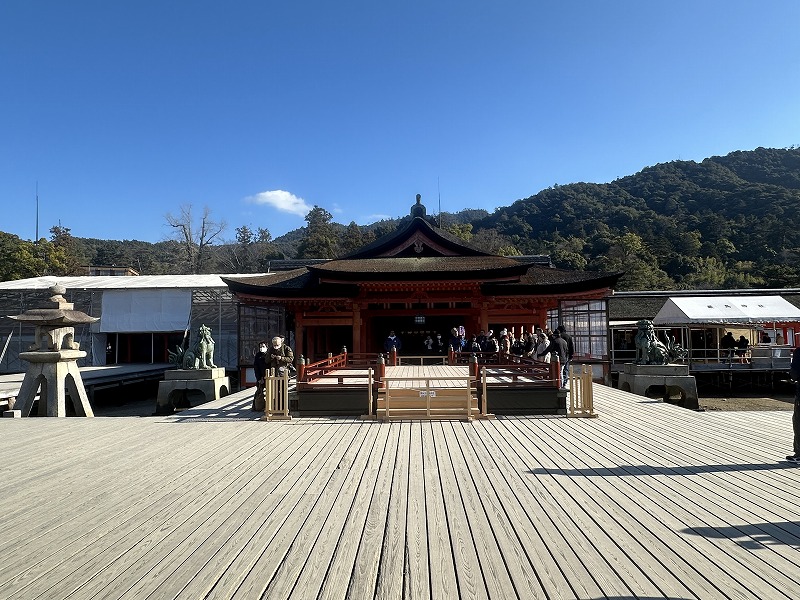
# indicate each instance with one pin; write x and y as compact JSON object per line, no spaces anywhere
{"x":53,"y":360}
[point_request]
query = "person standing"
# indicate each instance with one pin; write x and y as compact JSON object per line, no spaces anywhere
{"x":540,"y":350}
{"x":741,"y":349}
{"x":570,"y":353}
{"x":728,"y":344}
{"x":392,"y":341}
{"x":280,"y":356}
{"x":794,"y":373}
{"x":557,"y":348}
{"x":260,"y":368}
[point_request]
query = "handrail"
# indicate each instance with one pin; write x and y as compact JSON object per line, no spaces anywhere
{"x":544,"y":374}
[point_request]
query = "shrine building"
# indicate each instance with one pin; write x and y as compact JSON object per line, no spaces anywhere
{"x":417,"y":281}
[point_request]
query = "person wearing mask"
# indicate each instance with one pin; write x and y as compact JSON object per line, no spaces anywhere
{"x":281,"y":356}
{"x":260,"y":368}
{"x":428,"y":343}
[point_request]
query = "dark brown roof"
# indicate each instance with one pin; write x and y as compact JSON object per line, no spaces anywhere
{"x":545,"y":280}
{"x":634,"y":308}
{"x":422,"y":268}
{"x":299,"y":283}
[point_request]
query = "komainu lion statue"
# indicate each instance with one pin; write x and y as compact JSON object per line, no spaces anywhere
{"x":650,"y":350}
{"x":201,"y":354}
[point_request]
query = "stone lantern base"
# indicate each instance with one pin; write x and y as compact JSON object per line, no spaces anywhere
{"x":180,"y":384}
{"x":55,"y":372}
{"x":675,"y":379}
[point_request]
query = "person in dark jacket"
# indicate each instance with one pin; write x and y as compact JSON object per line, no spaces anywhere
{"x":392,"y":341}
{"x":570,"y":352}
{"x":281,"y":356}
{"x":557,"y":348}
{"x":794,"y":373}
{"x":260,"y":368}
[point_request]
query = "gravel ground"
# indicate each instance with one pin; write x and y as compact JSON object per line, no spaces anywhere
{"x":747,"y":402}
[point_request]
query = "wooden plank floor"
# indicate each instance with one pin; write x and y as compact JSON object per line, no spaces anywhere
{"x":647,"y":501}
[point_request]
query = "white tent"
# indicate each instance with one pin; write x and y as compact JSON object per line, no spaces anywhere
{"x":726,"y":310}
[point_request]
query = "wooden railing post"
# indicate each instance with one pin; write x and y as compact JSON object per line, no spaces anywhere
{"x":393,"y":356}
{"x":381,"y":368}
{"x":485,"y":407}
{"x":369,"y":391}
{"x":301,"y":368}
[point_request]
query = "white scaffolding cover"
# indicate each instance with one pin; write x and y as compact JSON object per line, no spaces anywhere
{"x":724,"y":310}
{"x":145,"y":310}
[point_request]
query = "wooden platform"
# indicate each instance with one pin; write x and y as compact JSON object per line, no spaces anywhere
{"x":647,"y":501}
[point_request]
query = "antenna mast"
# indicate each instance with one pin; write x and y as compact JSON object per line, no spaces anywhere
{"x":439,"y":191}
{"x":36,"y":240}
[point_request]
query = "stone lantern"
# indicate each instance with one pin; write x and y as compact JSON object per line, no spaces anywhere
{"x":52,"y":358}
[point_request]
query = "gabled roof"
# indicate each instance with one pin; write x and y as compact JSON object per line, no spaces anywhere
{"x":726,"y":310}
{"x":418,"y":238}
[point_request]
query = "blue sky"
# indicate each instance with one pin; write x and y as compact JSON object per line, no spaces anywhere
{"x":123,"y":111}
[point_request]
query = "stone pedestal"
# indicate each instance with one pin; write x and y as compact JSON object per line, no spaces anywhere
{"x":183,"y":387}
{"x":55,"y":372}
{"x":675,"y":379}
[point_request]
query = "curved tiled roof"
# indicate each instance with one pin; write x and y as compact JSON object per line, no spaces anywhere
{"x":542,"y":280}
{"x":422,"y":268}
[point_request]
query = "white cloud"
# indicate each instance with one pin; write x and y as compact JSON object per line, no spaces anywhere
{"x":374,"y":218}
{"x":283,"y":201}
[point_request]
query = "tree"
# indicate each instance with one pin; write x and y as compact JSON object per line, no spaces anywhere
{"x":462,"y":231}
{"x":195,"y":238}
{"x":352,"y":240}
{"x":319,"y":240}
{"x":20,"y":259}
{"x":630,"y":254}
{"x":70,"y":263}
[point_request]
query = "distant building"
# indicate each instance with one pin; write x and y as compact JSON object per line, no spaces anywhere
{"x":141,"y":318}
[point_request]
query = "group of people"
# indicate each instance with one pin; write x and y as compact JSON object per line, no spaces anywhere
{"x":276,"y":359}
{"x":732,"y":346}
{"x":542,"y":344}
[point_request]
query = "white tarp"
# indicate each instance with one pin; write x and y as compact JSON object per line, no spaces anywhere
{"x":721,"y":310}
{"x":145,"y":311}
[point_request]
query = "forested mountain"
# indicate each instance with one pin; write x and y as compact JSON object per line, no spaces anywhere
{"x":727,"y":222}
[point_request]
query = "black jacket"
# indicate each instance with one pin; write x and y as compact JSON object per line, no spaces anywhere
{"x":557,"y":348}
{"x":260,"y":365}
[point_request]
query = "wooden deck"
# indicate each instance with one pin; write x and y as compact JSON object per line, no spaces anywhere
{"x":648,"y":501}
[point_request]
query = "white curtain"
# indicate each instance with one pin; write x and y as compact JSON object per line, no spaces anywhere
{"x":142,"y":311}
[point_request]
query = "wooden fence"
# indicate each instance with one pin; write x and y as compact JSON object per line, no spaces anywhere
{"x":581,"y":394}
